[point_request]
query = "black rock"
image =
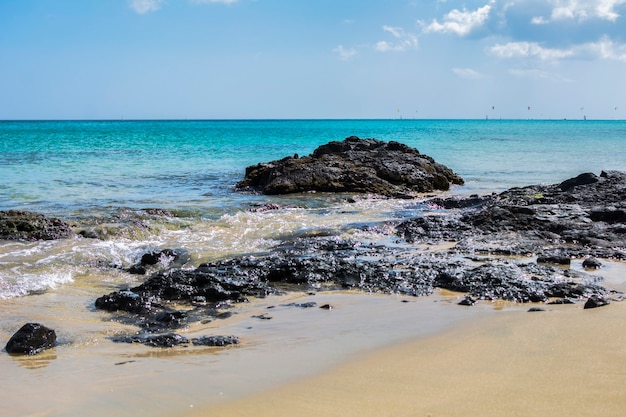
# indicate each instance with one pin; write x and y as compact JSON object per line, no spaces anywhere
{"x":596,"y":301}
{"x":554,"y":259}
{"x":467,"y":301}
{"x":125,"y":301}
{"x":31,"y":339}
{"x":215,"y":341}
{"x":354,"y":165}
{"x":172,"y":318}
{"x":166,"y":257}
{"x":301,"y":305}
{"x":26,"y":225}
{"x":592,"y":263}
{"x":582,"y":179}
{"x":162,"y":340}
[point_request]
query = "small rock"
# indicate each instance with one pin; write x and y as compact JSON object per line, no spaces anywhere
{"x":301,"y":305}
{"x":31,"y":339}
{"x":596,"y":301}
{"x":215,"y":341}
{"x":554,"y":259}
{"x":535,"y":309}
{"x":162,"y":340}
{"x":467,"y":301}
{"x":329,"y":307}
{"x":592,"y":263}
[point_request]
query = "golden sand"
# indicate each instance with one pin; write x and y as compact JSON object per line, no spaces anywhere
{"x":565,"y":361}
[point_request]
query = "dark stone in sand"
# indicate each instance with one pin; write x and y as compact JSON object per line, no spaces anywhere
{"x":125,"y":301}
{"x":29,"y":226}
{"x":161,"y":341}
{"x":301,"y":305}
{"x":554,"y":259}
{"x":596,"y":301}
{"x":536,"y":309}
{"x":31,"y":339}
{"x":215,"y":341}
{"x":354,"y":165}
{"x":172,"y":318}
{"x":467,"y":301}
{"x":592,"y":263}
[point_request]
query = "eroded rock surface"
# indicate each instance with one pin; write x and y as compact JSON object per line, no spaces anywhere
{"x":29,"y":226}
{"x":31,"y":339}
{"x":354,"y":165}
{"x":581,"y":217}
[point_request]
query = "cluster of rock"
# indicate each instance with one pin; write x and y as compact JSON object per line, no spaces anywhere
{"x":581,"y":217}
{"x":29,"y":226}
{"x":356,"y":166}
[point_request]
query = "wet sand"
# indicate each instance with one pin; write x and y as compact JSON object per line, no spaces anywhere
{"x":371,"y":355}
{"x":565,"y":361}
{"x":87,"y":374}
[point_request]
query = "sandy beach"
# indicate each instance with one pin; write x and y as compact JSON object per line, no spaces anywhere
{"x":565,"y":361}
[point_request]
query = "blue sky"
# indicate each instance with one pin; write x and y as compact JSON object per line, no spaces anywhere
{"x":213,"y":59}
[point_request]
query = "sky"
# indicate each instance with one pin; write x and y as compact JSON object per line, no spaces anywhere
{"x":286,"y":59}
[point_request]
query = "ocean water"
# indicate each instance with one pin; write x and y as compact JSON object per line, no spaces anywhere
{"x":103,"y":175}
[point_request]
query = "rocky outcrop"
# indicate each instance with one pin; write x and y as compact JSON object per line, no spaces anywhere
{"x":354,"y":165}
{"x":29,"y":226}
{"x":552,"y":223}
{"x":31,"y":339}
{"x":580,"y":217}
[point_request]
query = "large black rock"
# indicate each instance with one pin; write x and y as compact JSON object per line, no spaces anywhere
{"x":580,"y":217}
{"x":31,"y":339}
{"x":26,"y":225}
{"x":354,"y":165}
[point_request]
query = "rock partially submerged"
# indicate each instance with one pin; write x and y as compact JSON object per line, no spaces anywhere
{"x":29,"y":226}
{"x":577,"y":218}
{"x":173,"y":339}
{"x":581,"y":217}
{"x":354,"y":165}
{"x":31,"y":339}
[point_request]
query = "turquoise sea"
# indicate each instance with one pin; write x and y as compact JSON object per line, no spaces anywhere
{"x":74,"y":167}
{"x":104,"y":174}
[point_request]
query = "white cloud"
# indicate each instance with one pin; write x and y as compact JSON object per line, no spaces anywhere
{"x":581,"y":10}
{"x":460,"y":22}
{"x":404,"y":40}
{"x":345,"y":54}
{"x":145,"y":6}
{"x":529,"y":50}
{"x":605,"y":48}
{"x":467,"y":73}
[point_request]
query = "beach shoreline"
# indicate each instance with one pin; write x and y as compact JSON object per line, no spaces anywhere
{"x":564,"y":361}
